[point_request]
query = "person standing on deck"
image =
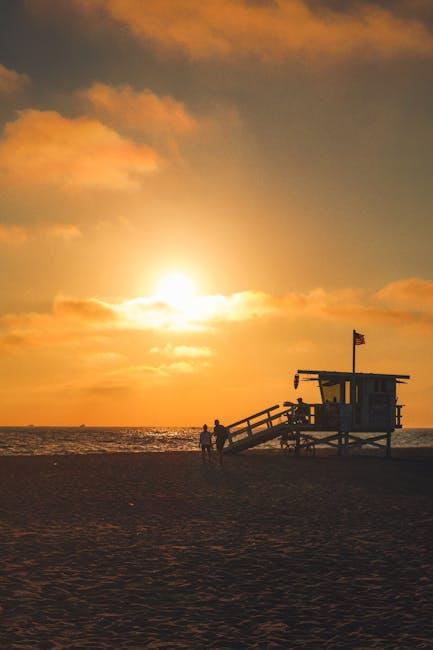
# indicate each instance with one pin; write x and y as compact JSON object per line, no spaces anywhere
{"x":220,"y":434}
{"x":302,"y":412}
{"x":206,"y":444}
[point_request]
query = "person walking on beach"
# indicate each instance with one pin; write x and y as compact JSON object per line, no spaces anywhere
{"x":206,"y":444}
{"x":221,"y":436}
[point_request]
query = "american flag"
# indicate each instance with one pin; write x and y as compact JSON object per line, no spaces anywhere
{"x":359,"y":339}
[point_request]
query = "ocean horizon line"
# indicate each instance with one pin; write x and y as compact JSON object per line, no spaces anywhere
{"x":149,"y":426}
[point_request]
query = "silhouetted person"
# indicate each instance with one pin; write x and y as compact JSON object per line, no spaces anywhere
{"x":205,"y":443}
{"x":220,"y":434}
{"x":302,"y":411}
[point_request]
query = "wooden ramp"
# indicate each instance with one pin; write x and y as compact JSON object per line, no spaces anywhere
{"x":304,"y":427}
{"x":257,"y":429}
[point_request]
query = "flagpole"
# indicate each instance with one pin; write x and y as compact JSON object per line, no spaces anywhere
{"x":352,"y":383}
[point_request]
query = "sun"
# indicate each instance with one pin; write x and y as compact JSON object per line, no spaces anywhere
{"x":176,"y":289}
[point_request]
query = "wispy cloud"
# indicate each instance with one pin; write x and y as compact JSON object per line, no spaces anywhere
{"x":45,"y":148}
{"x":104,"y":359}
{"x":13,"y":235}
{"x":183,"y":351}
{"x":88,"y":310}
{"x":76,"y":319}
{"x":406,"y":303}
{"x":133,"y":377}
{"x":65,"y":231}
{"x":414,"y":293}
{"x":142,"y":112}
{"x":397,"y":304}
{"x":153,"y":313}
{"x":274,"y":30}
{"x":12,"y":82}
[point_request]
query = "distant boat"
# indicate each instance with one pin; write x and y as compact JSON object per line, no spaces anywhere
{"x":82,"y":426}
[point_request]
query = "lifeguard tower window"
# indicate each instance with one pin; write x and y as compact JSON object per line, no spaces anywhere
{"x":330,"y":389}
{"x":335,"y":389}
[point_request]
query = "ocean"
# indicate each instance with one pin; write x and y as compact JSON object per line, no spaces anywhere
{"x":42,"y":441}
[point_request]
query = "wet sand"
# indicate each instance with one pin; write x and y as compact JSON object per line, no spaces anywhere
{"x":155,"y":551}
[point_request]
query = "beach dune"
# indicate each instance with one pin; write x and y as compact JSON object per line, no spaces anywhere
{"x":155,"y":550}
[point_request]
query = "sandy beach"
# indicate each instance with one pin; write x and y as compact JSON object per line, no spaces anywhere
{"x":156,"y":551}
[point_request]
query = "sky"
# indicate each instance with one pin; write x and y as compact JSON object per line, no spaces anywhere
{"x":199,"y":198}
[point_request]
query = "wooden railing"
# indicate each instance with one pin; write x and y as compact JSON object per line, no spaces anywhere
{"x":398,"y":415}
{"x":298,"y":416}
{"x":303,"y":414}
{"x":294,"y":415}
{"x":252,"y":422}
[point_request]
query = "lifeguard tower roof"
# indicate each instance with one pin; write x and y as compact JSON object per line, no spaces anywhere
{"x":349,"y":374}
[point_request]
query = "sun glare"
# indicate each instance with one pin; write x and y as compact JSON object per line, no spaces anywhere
{"x":176,"y":289}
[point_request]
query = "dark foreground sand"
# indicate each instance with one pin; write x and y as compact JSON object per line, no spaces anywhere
{"x":154,"y":551}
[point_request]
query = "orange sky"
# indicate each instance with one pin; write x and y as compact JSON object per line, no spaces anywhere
{"x":200,"y":198}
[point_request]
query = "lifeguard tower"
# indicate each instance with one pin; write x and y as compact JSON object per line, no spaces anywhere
{"x":352,"y":403}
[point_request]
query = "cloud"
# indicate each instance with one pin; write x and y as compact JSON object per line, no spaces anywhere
{"x":90,"y":310}
{"x":414,"y":293}
{"x":13,"y":235}
{"x":200,"y":313}
{"x":10,"y":341}
{"x":72,"y":321}
{"x":65,"y":231}
{"x":188,"y":351}
{"x":179,"y":367}
{"x":45,"y":148}
{"x":104,"y":359}
{"x":397,"y":304}
{"x":405,"y":303}
{"x":192,"y":352}
{"x":107,"y":388}
{"x":197,"y":313}
{"x":12,"y":82}
{"x":274,"y":30}
{"x":139,"y":112}
{"x":116,"y":383}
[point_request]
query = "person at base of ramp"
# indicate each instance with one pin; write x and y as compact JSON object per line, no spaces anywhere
{"x":221,"y":436}
{"x":205,"y":443}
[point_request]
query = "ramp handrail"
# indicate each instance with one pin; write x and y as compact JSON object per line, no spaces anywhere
{"x":252,"y":417}
{"x":251,"y":427}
